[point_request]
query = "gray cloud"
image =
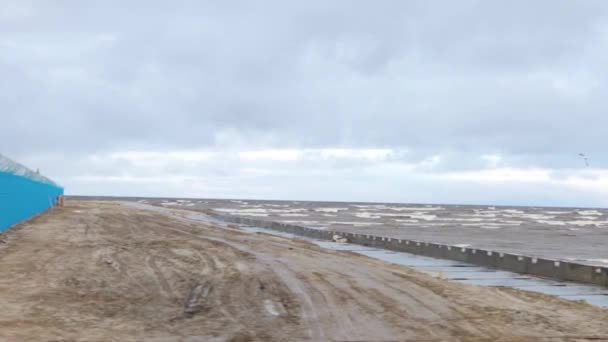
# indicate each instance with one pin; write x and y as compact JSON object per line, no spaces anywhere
{"x":525,"y":80}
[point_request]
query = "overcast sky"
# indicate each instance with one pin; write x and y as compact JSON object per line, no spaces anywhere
{"x":405,"y":101}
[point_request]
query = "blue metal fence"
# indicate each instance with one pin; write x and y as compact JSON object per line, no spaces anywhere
{"x":22,"y":197}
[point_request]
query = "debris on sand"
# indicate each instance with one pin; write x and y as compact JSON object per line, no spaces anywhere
{"x":339,"y":238}
{"x":193,"y":305}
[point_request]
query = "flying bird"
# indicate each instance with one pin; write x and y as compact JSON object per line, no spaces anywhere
{"x":582,"y":155}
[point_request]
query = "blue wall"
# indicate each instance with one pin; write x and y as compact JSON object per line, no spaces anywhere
{"x":22,"y":198}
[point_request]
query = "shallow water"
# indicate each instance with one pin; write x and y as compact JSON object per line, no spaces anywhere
{"x":464,"y":273}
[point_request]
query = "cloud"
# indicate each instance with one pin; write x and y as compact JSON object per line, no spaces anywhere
{"x":417,"y":84}
{"x":270,"y":155}
{"x":313,"y":174}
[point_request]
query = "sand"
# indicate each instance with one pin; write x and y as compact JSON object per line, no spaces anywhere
{"x":102,"y":271}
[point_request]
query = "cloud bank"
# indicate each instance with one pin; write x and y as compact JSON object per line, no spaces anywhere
{"x":418,"y":101}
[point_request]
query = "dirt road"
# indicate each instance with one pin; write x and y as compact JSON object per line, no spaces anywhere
{"x":100,"y":271}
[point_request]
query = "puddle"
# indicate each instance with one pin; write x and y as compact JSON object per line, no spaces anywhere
{"x":269,"y":306}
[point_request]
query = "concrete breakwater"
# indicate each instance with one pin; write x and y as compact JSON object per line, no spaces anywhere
{"x":543,"y":267}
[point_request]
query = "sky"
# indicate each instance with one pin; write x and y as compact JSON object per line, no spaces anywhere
{"x":479,"y":102}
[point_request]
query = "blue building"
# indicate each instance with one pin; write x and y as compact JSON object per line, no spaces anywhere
{"x":23,"y":193}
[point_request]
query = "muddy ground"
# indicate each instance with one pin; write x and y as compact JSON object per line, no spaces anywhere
{"x":101,"y":271}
